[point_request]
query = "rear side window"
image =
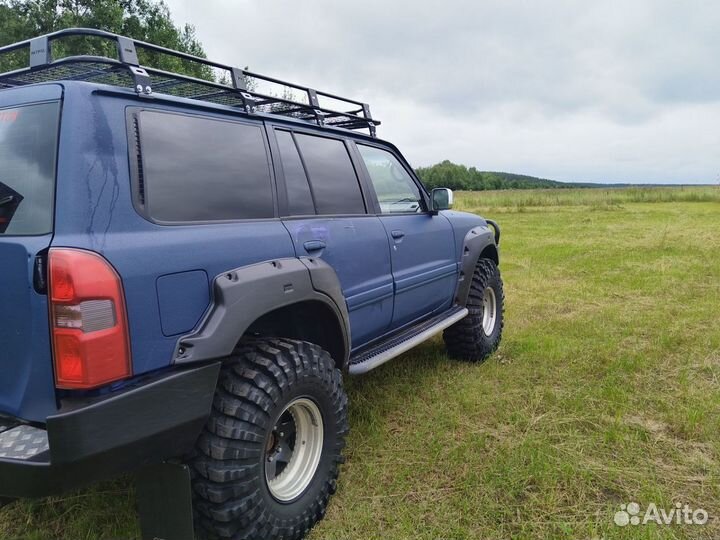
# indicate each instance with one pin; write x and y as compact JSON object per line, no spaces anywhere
{"x":300,"y":202}
{"x":28,"y":145}
{"x":202,"y":169}
{"x":332,"y":176}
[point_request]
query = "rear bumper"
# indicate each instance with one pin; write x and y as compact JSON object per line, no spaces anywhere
{"x":100,"y":438}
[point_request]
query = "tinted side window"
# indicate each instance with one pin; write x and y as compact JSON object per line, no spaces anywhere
{"x":201,"y":169}
{"x":332,"y":176}
{"x":300,"y":202}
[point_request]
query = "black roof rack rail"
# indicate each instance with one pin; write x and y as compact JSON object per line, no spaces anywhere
{"x":241,"y":89}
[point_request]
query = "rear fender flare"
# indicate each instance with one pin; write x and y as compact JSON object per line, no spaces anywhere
{"x":243,"y":295}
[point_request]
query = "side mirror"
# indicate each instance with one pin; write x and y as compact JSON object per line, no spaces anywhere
{"x":442,"y":199}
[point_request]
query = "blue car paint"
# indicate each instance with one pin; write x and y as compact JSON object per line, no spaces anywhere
{"x":462,"y":222}
{"x":424,"y":263}
{"x":388,"y":282}
{"x":357,"y":248}
{"x":26,"y":374}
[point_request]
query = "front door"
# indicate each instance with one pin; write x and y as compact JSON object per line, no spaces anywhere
{"x":422,"y":248}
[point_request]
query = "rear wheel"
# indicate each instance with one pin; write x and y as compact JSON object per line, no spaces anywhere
{"x":478,"y":335}
{"x":267,"y":461}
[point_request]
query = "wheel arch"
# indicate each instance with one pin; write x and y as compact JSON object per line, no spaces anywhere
{"x":302,"y":297}
{"x":308,"y":320}
{"x":490,"y":252}
{"x":479,"y":243}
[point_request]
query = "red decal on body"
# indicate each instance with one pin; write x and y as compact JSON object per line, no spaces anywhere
{"x":9,"y":116}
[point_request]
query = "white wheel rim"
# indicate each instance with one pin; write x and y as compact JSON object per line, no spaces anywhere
{"x":291,"y":460}
{"x":489,"y":311}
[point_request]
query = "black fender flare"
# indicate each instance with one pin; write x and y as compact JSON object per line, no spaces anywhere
{"x":476,"y":241}
{"x":243,"y":295}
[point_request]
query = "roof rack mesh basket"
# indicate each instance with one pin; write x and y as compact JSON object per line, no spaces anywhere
{"x":32,"y":61}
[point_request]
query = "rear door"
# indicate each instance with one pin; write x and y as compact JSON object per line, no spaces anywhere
{"x":29,"y":124}
{"x":424,"y":262}
{"x":325,"y":213}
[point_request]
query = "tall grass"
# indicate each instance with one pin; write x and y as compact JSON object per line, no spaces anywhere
{"x":515,"y":199}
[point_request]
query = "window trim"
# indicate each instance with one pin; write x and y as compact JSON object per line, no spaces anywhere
{"x":132,"y":113}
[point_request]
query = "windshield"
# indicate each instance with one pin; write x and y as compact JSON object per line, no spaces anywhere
{"x":28,"y":143}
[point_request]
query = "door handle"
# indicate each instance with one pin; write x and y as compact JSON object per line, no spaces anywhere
{"x":397,"y":234}
{"x":314,"y":245}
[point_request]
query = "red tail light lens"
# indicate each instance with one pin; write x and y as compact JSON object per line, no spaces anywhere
{"x":89,"y":323}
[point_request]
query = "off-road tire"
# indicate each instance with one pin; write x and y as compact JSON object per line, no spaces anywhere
{"x":231,"y":497}
{"x":466,"y":339}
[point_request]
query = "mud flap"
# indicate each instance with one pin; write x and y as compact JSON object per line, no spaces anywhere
{"x":164,"y":499}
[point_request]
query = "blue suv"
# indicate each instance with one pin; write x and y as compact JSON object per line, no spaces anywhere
{"x":189,"y":269}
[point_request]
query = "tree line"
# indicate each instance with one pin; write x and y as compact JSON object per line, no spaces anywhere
{"x":459,"y":177}
{"x":144,"y":20}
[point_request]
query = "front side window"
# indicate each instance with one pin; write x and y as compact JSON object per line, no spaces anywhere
{"x":28,"y":145}
{"x":395,"y":189}
{"x":203,"y":169}
{"x":332,"y":176}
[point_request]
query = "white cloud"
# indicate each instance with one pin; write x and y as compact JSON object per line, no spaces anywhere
{"x":605,"y":91}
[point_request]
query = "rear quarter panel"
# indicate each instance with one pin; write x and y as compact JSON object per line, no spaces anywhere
{"x":95,"y":212}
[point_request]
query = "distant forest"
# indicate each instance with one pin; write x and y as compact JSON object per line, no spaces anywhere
{"x":459,"y":177}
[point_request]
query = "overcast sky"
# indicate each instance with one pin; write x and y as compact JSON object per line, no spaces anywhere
{"x":617,"y":91}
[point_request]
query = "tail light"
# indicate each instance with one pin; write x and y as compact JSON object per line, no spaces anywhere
{"x":89,"y":322}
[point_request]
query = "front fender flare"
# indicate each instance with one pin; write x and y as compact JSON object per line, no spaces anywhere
{"x":476,"y":241}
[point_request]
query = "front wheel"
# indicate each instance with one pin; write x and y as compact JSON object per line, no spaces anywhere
{"x":478,"y":335}
{"x":267,"y":461}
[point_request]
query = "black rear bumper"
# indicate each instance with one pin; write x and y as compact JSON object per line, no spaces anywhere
{"x":96,"y":439}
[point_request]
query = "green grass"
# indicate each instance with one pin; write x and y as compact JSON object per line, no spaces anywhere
{"x":521,"y":200}
{"x":605,"y":390}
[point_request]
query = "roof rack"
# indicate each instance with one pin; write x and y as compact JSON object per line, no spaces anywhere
{"x":237,"y":87}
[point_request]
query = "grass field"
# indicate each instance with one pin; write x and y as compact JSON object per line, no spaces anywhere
{"x":605,"y":390}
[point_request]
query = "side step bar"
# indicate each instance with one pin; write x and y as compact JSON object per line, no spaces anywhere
{"x":376,"y":355}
